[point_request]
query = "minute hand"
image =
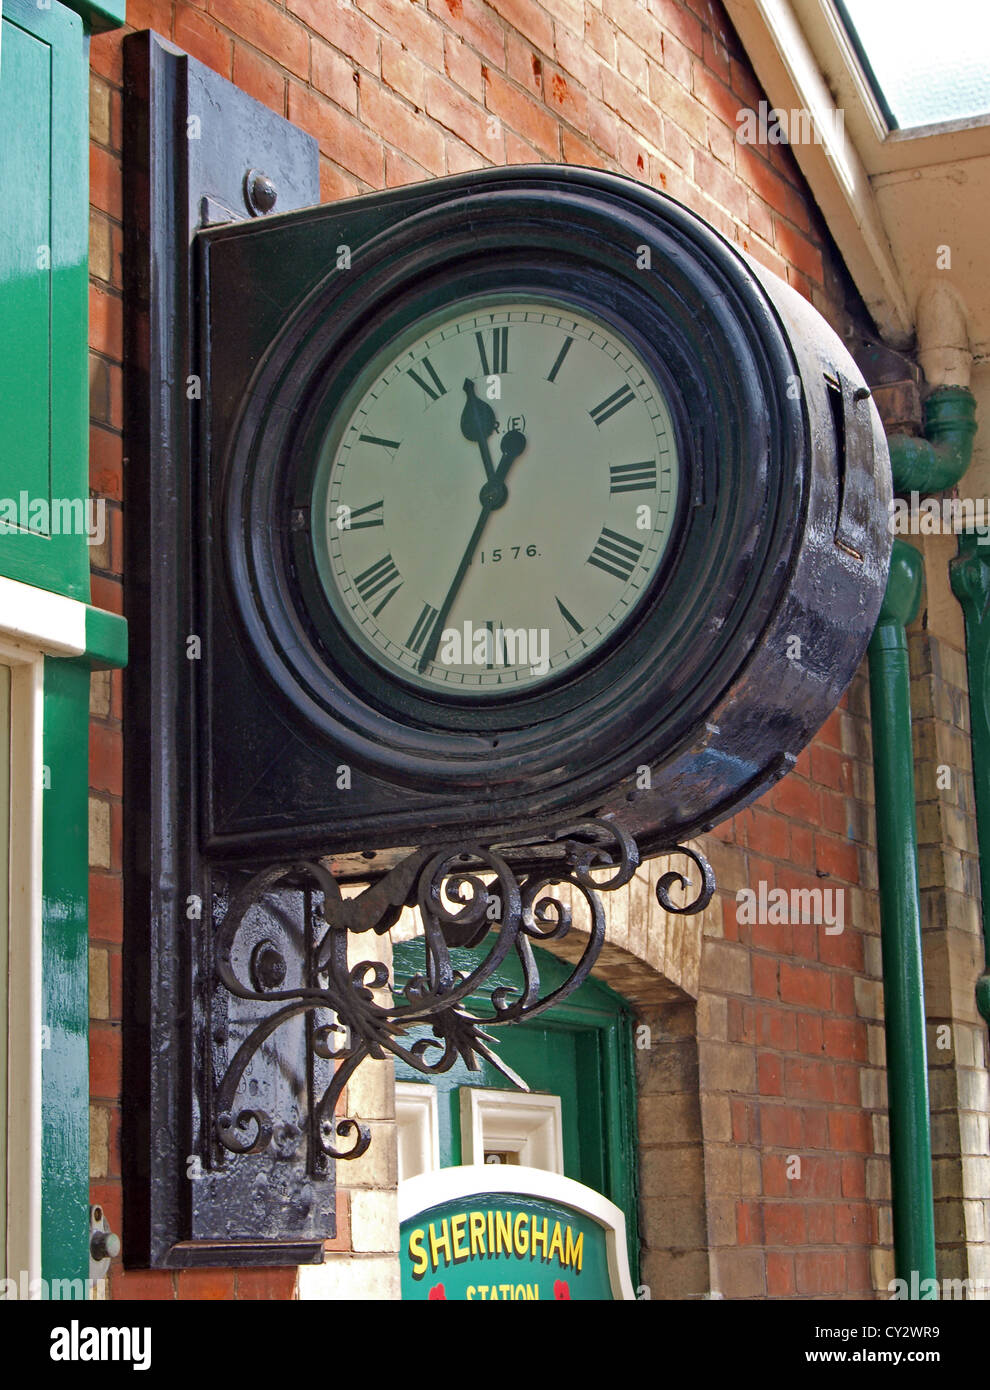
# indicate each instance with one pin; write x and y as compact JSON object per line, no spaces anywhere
{"x":493,"y":495}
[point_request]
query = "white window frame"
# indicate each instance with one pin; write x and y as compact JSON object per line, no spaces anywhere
{"x":34,"y":623}
{"x":24,"y":995}
{"x":417,"y":1124}
{"x":516,"y":1122}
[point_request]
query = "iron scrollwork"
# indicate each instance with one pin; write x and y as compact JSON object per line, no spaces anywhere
{"x":468,"y":897}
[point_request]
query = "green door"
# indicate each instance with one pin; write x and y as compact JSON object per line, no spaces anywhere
{"x":581,"y":1051}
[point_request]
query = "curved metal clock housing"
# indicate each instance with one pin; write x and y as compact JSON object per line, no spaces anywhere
{"x":765,"y":599}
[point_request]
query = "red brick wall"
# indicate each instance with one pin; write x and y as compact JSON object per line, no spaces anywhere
{"x":789,"y":1049}
{"x":401,"y":90}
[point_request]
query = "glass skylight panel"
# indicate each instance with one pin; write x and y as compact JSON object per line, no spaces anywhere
{"x":928,"y":63}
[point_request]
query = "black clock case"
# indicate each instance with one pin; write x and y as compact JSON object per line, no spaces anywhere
{"x":755,"y":625}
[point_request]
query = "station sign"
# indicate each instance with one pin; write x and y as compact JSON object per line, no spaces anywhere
{"x":487,"y":1233}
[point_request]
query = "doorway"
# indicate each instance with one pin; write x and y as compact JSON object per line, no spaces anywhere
{"x":579,"y":1116}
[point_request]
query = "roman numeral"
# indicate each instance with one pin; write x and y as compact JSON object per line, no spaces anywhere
{"x":615,"y":554}
{"x":609,"y":407}
{"x":569,"y":619}
{"x":384,"y":443}
{"x":633,"y":477}
{"x":375,"y":578}
{"x":560,"y":359}
{"x":500,"y":352}
{"x":374,"y":512}
{"x":428,"y":366}
{"x":422,"y":629}
{"x":494,"y":626}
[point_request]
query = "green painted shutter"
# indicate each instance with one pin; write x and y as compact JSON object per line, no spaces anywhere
{"x":99,"y":15}
{"x":44,"y":228}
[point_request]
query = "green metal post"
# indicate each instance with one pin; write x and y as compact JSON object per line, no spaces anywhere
{"x":900,"y":924}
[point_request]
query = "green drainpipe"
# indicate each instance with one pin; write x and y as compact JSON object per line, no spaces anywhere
{"x":937,"y":461}
{"x":930,"y":465}
{"x":921,"y":465}
{"x":900,"y":924}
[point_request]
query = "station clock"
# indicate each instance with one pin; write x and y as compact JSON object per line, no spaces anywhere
{"x":529,"y":495}
{"x":487,"y":526}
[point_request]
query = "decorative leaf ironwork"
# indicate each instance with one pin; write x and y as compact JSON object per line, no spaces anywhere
{"x":468,"y":897}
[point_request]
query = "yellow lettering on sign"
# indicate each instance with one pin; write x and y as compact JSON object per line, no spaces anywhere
{"x":469,"y":1294}
{"x":418,"y":1251}
{"x":503,"y":1233}
{"x":574,"y":1250}
{"x":438,"y":1242}
{"x":556,"y":1243}
{"x":477,"y":1228}
{"x":494,"y":1293}
{"x":477,"y":1234}
{"x":457,"y":1225}
{"x":520,"y":1233}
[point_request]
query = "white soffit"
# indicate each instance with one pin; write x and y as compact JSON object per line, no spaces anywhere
{"x":792,"y":74}
{"x":931,"y":184}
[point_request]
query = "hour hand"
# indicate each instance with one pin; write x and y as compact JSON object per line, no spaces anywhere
{"x":477,"y":424}
{"x":512,"y":443}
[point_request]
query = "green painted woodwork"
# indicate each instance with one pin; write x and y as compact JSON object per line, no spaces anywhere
{"x":106,"y":639}
{"x":65,"y":950}
{"x":970,"y":575}
{"x":65,"y":1010}
{"x":99,"y":15}
{"x":44,"y":231}
{"x":4,"y":937}
{"x":900,"y":921}
{"x":44,"y":243}
{"x":580,"y":1050}
{"x":940,"y":458}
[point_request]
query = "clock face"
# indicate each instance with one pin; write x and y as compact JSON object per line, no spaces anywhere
{"x":495,"y":496}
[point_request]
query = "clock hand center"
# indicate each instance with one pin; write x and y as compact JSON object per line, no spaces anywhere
{"x":495,"y":494}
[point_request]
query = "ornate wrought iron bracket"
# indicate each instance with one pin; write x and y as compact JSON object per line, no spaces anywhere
{"x":468,"y":897}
